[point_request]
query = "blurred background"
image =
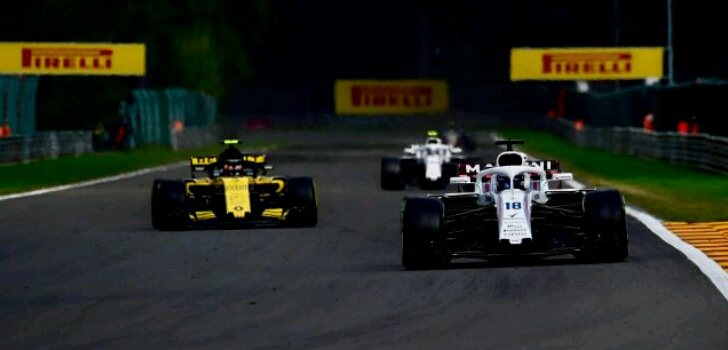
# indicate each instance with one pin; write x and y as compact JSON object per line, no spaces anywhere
{"x":268,"y":64}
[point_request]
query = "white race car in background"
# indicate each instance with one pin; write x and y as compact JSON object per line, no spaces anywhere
{"x":517,"y":207}
{"x":430,"y":165}
{"x":459,"y":138}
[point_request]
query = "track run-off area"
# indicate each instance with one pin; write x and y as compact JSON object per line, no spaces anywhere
{"x":82,"y":268}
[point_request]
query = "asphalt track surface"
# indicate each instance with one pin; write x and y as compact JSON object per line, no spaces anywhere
{"x":84,"y":269}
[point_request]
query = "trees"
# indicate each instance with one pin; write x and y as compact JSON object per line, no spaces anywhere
{"x":202,"y":45}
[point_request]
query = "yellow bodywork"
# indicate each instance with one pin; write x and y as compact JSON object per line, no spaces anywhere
{"x":274,"y":213}
{"x":205,"y":160}
{"x":237,"y":196}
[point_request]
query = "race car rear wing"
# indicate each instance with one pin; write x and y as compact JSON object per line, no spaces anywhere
{"x":551,"y":166}
{"x":202,"y":164}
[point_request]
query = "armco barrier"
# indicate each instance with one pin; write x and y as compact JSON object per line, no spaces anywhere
{"x":703,"y":151}
{"x":51,"y":144}
{"x":467,"y":121}
{"x":157,"y":116}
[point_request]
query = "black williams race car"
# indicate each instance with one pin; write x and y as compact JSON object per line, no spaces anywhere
{"x":517,"y":207}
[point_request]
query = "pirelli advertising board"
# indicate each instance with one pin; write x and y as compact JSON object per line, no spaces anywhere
{"x":390,"y":96}
{"x":72,"y":59}
{"x":586,"y":63}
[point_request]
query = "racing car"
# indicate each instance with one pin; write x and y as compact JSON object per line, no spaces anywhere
{"x":430,"y":165}
{"x":516,"y":207}
{"x":233,"y":188}
{"x":458,"y":138}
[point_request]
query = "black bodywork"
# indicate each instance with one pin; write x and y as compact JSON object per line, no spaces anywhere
{"x":472,"y":230}
{"x":589,"y":224}
{"x":397,"y":173}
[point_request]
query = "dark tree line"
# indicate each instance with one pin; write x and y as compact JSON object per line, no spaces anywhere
{"x":216,"y":46}
{"x":203,"y":45}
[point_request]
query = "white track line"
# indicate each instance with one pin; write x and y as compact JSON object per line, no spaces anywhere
{"x":707,"y":266}
{"x":710,"y":268}
{"x":92,"y":182}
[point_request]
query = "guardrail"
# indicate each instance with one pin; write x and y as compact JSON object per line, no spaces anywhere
{"x":158,"y":116}
{"x":385,"y":122}
{"x":50,"y":144}
{"x":703,"y":151}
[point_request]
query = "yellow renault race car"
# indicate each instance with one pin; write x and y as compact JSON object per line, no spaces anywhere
{"x":233,"y":189}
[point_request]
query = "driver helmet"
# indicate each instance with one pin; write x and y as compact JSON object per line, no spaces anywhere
{"x":502,"y":182}
{"x":519,"y":182}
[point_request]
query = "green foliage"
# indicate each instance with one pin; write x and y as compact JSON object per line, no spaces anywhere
{"x":672,"y":192}
{"x":64,"y":170}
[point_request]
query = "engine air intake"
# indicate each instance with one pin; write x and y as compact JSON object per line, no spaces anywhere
{"x":506,"y":159}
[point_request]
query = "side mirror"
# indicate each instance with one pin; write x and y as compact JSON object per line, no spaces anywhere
{"x":460,"y":180}
{"x":563,"y":176}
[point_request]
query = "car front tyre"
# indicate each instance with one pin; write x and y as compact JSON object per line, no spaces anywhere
{"x":301,"y":195}
{"x":606,"y":226}
{"x":168,"y":205}
{"x":422,"y":224}
{"x":391,"y":174}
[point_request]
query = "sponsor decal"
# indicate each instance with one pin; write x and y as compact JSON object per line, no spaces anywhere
{"x":237,"y":196}
{"x":545,"y":164}
{"x":587,"y":63}
{"x":472,"y":168}
{"x":72,"y":59}
{"x":66,"y":58}
{"x":390,"y":96}
{"x":254,"y":158}
{"x":514,"y":227}
{"x":382,"y":95}
{"x":204,"y":160}
{"x":595,"y":63}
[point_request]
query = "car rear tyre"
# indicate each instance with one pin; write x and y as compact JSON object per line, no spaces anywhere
{"x":422,"y":224}
{"x":169,"y":205}
{"x":606,"y":227}
{"x":391,"y":174}
{"x":301,"y":195}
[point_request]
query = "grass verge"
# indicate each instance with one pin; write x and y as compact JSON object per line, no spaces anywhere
{"x":20,"y":177}
{"x":671,"y":192}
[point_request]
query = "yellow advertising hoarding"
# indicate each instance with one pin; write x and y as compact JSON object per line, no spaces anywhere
{"x":586,"y":63}
{"x":390,"y":96}
{"x":72,"y":59}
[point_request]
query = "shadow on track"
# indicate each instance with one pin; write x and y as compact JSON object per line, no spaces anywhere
{"x":500,"y":263}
